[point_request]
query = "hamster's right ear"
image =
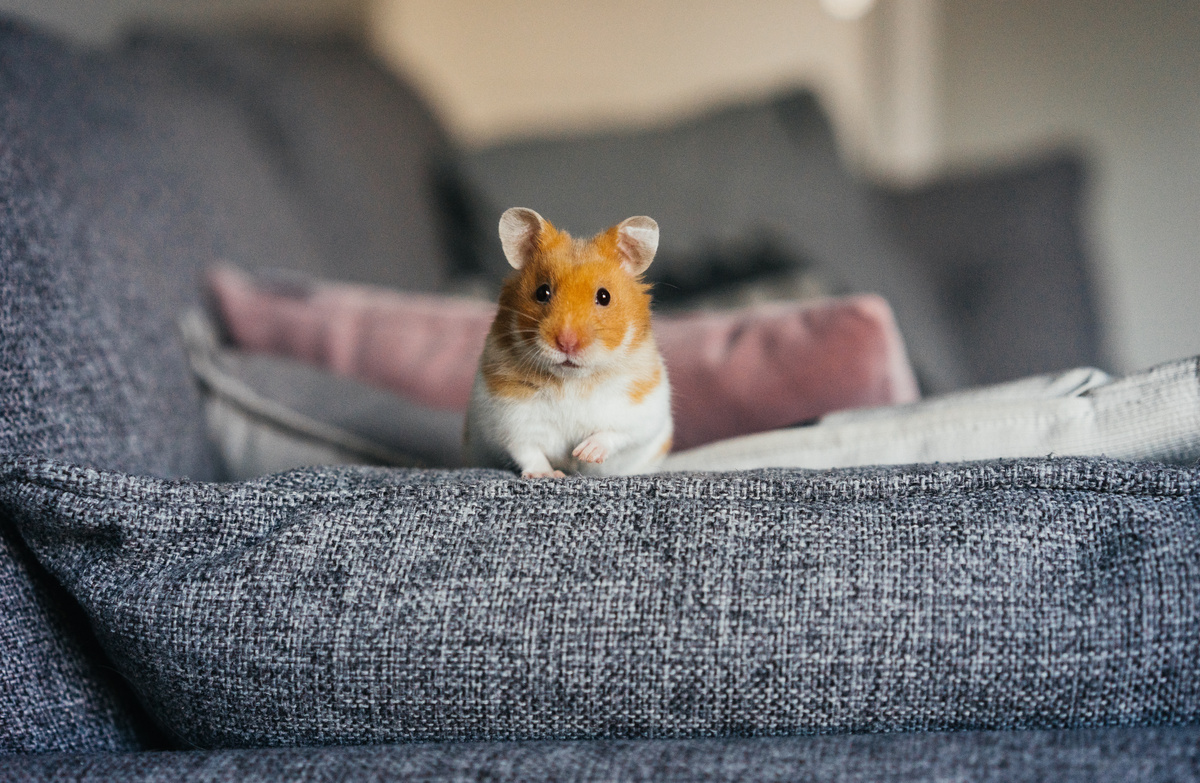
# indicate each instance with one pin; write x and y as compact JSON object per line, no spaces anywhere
{"x":519,"y":230}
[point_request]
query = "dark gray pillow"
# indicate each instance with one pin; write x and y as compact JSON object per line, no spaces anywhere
{"x":353,"y":154}
{"x":1005,"y":252}
{"x":368,"y":605}
{"x":980,"y":268}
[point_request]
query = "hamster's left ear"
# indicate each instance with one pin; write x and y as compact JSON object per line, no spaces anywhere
{"x":637,"y":241}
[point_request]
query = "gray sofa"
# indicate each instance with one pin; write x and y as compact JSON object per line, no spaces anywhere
{"x":1007,"y":620}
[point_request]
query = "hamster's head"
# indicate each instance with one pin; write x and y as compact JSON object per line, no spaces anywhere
{"x":574,"y":307}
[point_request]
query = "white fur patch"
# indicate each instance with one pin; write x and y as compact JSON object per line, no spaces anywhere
{"x":502,"y":431}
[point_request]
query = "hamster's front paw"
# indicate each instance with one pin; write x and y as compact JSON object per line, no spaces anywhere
{"x":543,"y":474}
{"x":593,"y":449}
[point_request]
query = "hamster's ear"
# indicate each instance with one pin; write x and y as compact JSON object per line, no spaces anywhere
{"x":519,"y":230}
{"x":637,"y":240}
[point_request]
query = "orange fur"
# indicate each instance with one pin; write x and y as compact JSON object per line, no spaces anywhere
{"x":574,"y":269}
{"x":503,"y":382}
{"x":644,"y":385}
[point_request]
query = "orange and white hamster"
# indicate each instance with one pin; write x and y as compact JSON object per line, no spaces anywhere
{"x":570,"y":378}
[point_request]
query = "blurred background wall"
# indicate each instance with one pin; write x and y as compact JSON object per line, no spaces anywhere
{"x":916,"y":88}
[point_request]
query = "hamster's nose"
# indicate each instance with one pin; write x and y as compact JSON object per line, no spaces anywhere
{"x":567,"y":342}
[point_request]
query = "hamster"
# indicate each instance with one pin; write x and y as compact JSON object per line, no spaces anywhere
{"x":570,"y":378}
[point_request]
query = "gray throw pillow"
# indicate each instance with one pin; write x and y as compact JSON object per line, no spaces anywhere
{"x":370,"y":605}
{"x":359,"y":160}
{"x":268,"y":414}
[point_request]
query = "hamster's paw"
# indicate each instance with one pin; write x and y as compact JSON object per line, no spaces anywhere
{"x":543,"y":474}
{"x":591,"y":450}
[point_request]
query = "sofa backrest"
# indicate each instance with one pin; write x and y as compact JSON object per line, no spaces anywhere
{"x":350,"y":158}
{"x":88,"y":370}
{"x":123,"y":177}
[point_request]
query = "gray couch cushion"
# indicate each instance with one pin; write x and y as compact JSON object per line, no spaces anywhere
{"x":351,"y":152}
{"x":367,"y":605}
{"x":92,"y":370}
{"x":88,"y":372}
{"x":122,"y":177}
{"x":1088,"y":756}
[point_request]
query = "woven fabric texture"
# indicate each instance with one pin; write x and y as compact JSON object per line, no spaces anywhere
{"x":366,"y":605}
{"x":91,"y":369}
{"x":312,"y":156}
{"x":1089,"y":756}
{"x":88,"y":372}
{"x":55,"y":694}
{"x":122,"y":177}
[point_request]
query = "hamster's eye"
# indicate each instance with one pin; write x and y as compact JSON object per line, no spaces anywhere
{"x":603,"y":297}
{"x":542,"y":294}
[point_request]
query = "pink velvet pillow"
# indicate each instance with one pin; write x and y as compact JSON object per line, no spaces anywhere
{"x":770,"y":366}
{"x":732,"y":373}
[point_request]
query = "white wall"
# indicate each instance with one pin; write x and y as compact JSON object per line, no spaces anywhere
{"x":501,"y":69}
{"x":1122,"y":81}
